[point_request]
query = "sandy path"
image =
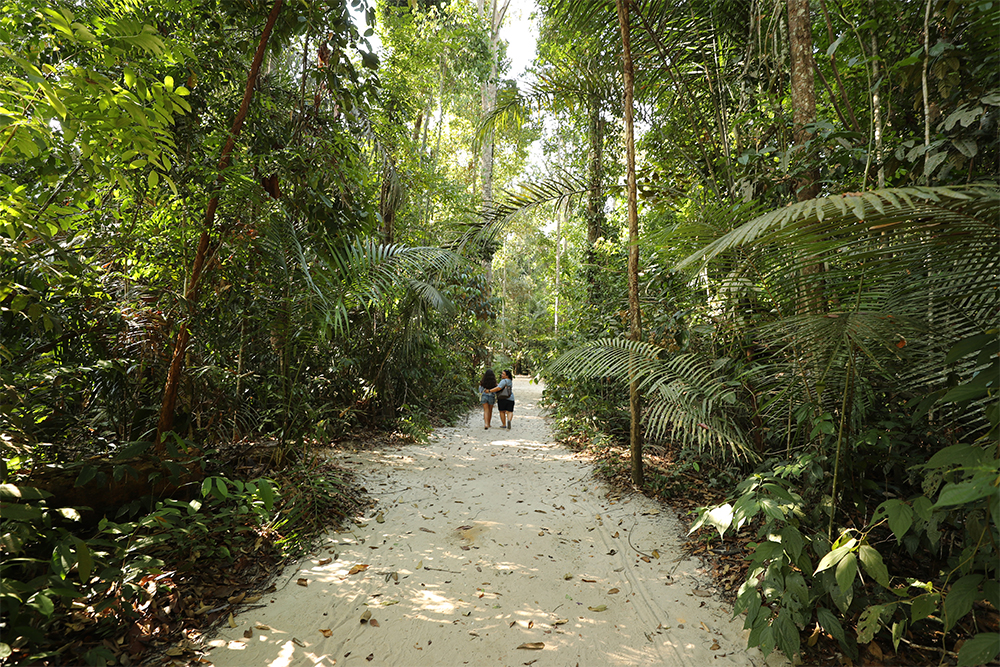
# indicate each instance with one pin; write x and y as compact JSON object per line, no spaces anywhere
{"x":488,"y":540}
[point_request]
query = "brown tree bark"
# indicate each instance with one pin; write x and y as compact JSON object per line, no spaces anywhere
{"x":169,"y":402}
{"x":594,"y":214}
{"x":634,"y":316}
{"x":803,"y":87}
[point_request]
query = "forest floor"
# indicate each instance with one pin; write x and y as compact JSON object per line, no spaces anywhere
{"x":492,"y":547}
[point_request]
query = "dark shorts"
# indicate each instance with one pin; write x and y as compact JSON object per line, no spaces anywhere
{"x":505,"y":405}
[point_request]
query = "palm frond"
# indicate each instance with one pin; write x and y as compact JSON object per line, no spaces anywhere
{"x":496,"y":214}
{"x":817,"y":225}
{"x":685,"y":392}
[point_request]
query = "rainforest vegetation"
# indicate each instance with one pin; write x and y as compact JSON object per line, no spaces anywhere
{"x":749,"y":242}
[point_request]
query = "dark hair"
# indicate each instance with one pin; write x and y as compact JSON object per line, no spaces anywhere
{"x":489,"y":379}
{"x":510,"y":375}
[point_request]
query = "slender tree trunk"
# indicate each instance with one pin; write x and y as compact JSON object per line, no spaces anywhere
{"x":594,"y":214}
{"x":803,"y":87}
{"x":924,"y":90}
{"x":635,"y":322}
{"x":169,"y":403}
{"x":489,"y":89}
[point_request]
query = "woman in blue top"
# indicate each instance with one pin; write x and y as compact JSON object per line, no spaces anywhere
{"x":505,"y":405}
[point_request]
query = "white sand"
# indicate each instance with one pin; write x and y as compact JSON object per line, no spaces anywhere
{"x":481,"y":528}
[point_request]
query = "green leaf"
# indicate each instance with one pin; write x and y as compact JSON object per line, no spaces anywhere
{"x":834,"y":557}
{"x":923,"y":606}
{"x":786,"y":633}
{"x":900,"y":516}
{"x":266,"y":493}
{"x":874,"y":565}
{"x":969,"y":345}
{"x":980,"y":650}
{"x":22,"y":492}
{"x":84,"y":560}
{"x":970,"y":491}
{"x":847,"y":569}
{"x":898,"y":628}
{"x":960,"y":598}
{"x":828,"y":621}
{"x":87,"y":473}
{"x":955,"y":455}
{"x":42,"y":603}
{"x":792,"y":541}
{"x":20,"y":512}
{"x":721,"y":517}
{"x":53,"y":99}
{"x":869,"y":622}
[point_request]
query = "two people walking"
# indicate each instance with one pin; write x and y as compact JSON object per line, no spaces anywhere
{"x":496,"y":393}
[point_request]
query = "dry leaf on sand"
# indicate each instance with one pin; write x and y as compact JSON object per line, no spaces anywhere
{"x":327,"y":632}
{"x":533,"y":646}
{"x":358,"y":568}
{"x":302,"y":581}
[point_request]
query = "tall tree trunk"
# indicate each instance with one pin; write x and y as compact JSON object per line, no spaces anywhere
{"x":594,"y":213}
{"x":489,"y":89}
{"x":803,"y":87}
{"x":169,"y":403}
{"x":634,"y":319}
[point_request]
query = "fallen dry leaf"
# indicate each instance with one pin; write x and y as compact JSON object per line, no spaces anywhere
{"x":560,"y":621}
{"x":365,"y":616}
{"x":251,"y":599}
{"x":236,"y":599}
{"x":531,"y":624}
{"x":715,"y":646}
{"x":656,"y":554}
{"x":420,"y":564}
{"x":568,"y":576}
{"x":464,"y":528}
{"x":325,"y":561}
{"x":426,"y":530}
{"x":646,"y":559}
{"x":533,"y":646}
{"x":327,"y":632}
{"x":512,"y":624}
{"x":613,"y":591}
{"x":615,"y":535}
{"x":261,"y":626}
{"x":380,"y":518}
{"x":358,"y":568}
{"x":876,"y":651}
{"x":304,"y":582}
{"x":248,"y":633}
{"x":232,"y":621}
{"x":298,"y":642}
{"x":374,"y":623}
{"x":600,"y":607}
{"x":590,"y":581}
{"x":371,"y":656}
